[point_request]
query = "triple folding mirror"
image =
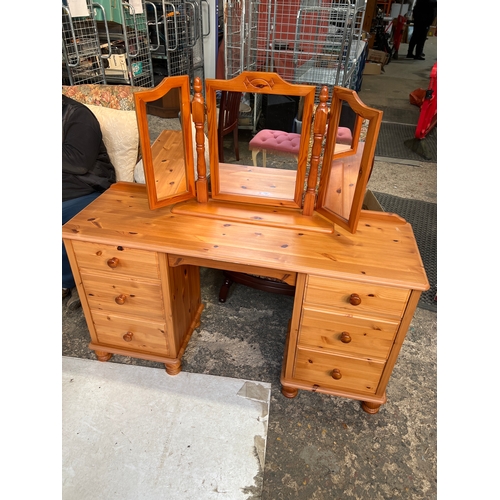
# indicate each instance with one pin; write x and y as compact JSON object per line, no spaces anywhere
{"x":305,"y":157}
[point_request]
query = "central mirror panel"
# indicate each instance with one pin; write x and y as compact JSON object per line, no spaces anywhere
{"x":272,"y":166}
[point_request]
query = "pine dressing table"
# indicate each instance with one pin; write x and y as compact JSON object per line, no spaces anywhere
{"x":137,"y":267}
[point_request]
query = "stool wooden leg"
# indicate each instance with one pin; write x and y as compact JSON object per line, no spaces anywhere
{"x":255,"y":152}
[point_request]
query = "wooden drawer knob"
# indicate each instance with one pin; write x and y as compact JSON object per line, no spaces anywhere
{"x":345,"y":337}
{"x":120,"y":300}
{"x":354,"y":299}
{"x":113,"y":262}
{"x":128,"y":337}
{"x":336,"y":374}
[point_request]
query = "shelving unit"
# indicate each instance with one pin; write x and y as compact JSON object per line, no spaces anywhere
{"x":82,"y":61}
{"x":176,"y":38}
{"x":317,"y":42}
{"x":129,"y":60}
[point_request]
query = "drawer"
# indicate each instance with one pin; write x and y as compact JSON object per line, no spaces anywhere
{"x":124,"y":296}
{"x":131,"y":333}
{"x":373,"y":300}
{"x":357,"y":375}
{"x":116,"y":259}
{"x":361,"y":336}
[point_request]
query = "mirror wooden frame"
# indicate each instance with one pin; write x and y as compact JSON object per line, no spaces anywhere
{"x":259,"y":83}
{"x":150,"y":160}
{"x":327,"y":191}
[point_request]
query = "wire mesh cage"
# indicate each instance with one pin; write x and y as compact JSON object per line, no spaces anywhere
{"x":316,"y":42}
{"x":136,"y":40}
{"x":176,"y":37}
{"x":81,"y":54}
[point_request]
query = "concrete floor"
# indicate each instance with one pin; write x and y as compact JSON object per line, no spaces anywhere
{"x":321,"y":447}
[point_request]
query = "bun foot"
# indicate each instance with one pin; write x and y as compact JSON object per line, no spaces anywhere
{"x":370,"y":407}
{"x":173,"y":368}
{"x":103,"y":356}
{"x":289,"y":392}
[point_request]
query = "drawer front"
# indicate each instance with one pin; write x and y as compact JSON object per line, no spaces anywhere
{"x":124,"y":296}
{"x":349,"y":335}
{"x":357,"y":375}
{"x":116,"y":260}
{"x":131,"y":333}
{"x":373,"y":300}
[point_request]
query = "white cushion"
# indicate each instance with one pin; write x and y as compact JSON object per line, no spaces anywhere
{"x":139,"y":175}
{"x":121,"y":138}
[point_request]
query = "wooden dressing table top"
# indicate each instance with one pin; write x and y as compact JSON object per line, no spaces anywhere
{"x":382,"y":251}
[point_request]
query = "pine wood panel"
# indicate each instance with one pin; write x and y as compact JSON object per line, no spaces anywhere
{"x":253,"y":214}
{"x":375,"y":300}
{"x":182,"y":290}
{"x":370,"y":337}
{"x":146,"y":336}
{"x":358,"y":375}
{"x":126,"y":261}
{"x":169,"y":163}
{"x":141,"y":298}
{"x":383,"y":250}
{"x":259,"y":182}
{"x":342,"y":182}
{"x":178,"y":260}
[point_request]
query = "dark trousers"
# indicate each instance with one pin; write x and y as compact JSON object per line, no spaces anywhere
{"x":69,"y":209}
{"x":418,"y":38}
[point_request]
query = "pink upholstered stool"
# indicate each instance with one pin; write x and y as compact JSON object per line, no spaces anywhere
{"x":285,"y":142}
{"x":274,"y":140}
{"x":344,"y":136}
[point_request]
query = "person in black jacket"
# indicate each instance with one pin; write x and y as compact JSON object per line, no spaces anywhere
{"x":87,"y":172}
{"x":424,"y":12}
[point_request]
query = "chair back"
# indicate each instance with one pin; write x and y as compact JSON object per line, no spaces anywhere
{"x":228,"y":119}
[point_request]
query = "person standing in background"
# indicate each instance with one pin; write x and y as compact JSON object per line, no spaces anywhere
{"x":424,"y":12}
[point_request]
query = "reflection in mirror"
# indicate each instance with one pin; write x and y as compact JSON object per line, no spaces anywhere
{"x":275,"y":146}
{"x":167,"y":145}
{"x":348,"y":159}
{"x":269,"y":166}
{"x":164,"y":119}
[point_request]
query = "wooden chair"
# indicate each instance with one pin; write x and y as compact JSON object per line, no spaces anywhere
{"x":228,"y":121}
{"x":258,"y":282}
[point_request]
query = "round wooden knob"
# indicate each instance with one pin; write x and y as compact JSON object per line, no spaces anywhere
{"x":354,"y":299}
{"x":113,"y":262}
{"x":120,"y":300}
{"x":336,"y":374}
{"x":128,"y":336}
{"x":345,"y":337}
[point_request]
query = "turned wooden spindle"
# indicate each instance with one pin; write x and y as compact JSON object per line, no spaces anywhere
{"x":336,"y":374}
{"x":345,"y":337}
{"x":113,"y":262}
{"x":128,"y":337}
{"x":354,"y":299}
{"x":120,"y":300}
{"x":319,"y":133}
{"x":198,"y":112}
